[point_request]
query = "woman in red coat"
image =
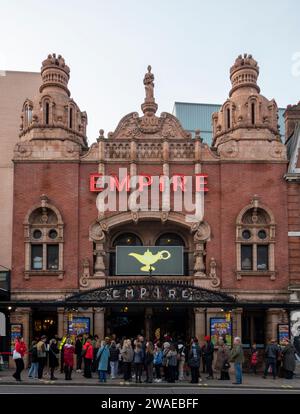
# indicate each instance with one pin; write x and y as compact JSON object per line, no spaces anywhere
{"x":18,"y":355}
{"x":69,"y":350}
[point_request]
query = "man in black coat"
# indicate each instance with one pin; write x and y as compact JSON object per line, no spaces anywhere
{"x":208,"y":353}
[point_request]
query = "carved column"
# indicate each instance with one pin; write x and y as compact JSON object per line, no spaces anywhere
{"x":198,"y":141}
{"x":101,"y":154}
{"x":133,"y":157}
{"x":99,"y":262}
{"x":199,"y":323}
{"x":273,"y":317}
{"x":237,"y":322}
{"x":99,"y":322}
{"x":60,"y":316}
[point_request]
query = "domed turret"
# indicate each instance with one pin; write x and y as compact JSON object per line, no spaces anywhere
{"x":52,"y":115}
{"x":247,"y":119}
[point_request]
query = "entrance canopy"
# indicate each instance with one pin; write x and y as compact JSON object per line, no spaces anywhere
{"x":152,"y":292}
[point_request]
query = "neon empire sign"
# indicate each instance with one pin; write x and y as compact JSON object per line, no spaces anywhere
{"x":98,"y":182}
{"x":146,"y":192}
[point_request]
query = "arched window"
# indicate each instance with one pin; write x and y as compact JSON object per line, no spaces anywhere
{"x":255,"y":242}
{"x":47,"y":112}
{"x":124,"y":239}
{"x":71,"y":118}
{"x":44,"y":242}
{"x":127,"y":239}
{"x":28,"y":115}
{"x":173,"y":239}
{"x":253,"y":113}
{"x":169,"y":239}
{"x":228,"y":118}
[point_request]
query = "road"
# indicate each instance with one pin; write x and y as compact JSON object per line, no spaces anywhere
{"x":171,"y":391}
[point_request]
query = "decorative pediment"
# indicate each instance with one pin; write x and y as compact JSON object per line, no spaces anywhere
{"x":149,"y":126}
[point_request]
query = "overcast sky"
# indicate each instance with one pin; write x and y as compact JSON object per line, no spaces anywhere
{"x":190,"y":44}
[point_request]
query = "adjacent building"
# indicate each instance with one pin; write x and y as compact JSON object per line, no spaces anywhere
{"x":194,"y":116}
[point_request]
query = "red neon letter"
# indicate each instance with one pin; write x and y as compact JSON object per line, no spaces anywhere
{"x":143,"y":183}
{"x":181,"y":182}
{"x":94,"y":186}
{"x":201,"y":182}
{"x":115,"y":183}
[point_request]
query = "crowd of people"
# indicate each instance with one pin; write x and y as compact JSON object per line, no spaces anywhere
{"x":138,"y":360}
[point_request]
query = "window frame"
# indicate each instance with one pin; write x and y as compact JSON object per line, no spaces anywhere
{"x":255,"y":241}
{"x":30,"y":226}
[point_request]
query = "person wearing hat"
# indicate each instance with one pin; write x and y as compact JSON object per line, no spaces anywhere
{"x":208,"y":352}
{"x":42,"y":356}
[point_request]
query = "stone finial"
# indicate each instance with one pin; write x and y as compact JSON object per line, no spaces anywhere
{"x":197,"y":134}
{"x":244,"y":72}
{"x":55,"y":72}
{"x":55,"y":61}
{"x":149,"y":107}
{"x":101,"y":133}
{"x":246,"y":60}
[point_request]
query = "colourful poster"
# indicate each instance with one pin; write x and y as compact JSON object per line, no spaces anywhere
{"x":16,"y":329}
{"x":77,"y":326}
{"x":283,"y":334}
{"x":221,"y":328}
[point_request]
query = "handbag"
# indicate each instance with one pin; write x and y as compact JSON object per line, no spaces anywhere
{"x":16,"y":355}
{"x":226,"y":365}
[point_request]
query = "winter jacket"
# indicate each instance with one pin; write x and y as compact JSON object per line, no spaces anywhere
{"x":21,"y":348}
{"x":254,"y":357}
{"x":171,"y":358}
{"x":222,"y":357}
{"x":114,"y":353}
{"x":194,"y":356}
{"x":138,"y":356}
{"x":78,"y":347}
{"x":34,"y":355}
{"x":53,"y":356}
{"x":208,"y":351}
{"x":41,"y":349}
{"x":127,"y":354}
{"x":237,"y":354}
{"x":69,"y":355}
{"x":289,"y":362}
{"x":158,"y":357}
{"x":149,"y":358}
{"x":272,"y":351}
{"x":89,"y":353}
{"x":103,"y":356}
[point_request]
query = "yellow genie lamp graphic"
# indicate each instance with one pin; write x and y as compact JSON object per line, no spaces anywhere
{"x":148,"y":259}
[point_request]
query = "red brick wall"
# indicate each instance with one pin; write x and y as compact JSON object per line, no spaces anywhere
{"x":231,"y":187}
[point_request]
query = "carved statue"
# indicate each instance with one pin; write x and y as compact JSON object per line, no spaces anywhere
{"x":149,"y":85}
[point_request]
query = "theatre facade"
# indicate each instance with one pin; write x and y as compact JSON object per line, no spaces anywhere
{"x":91,"y":249}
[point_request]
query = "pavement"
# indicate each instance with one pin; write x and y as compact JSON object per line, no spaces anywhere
{"x":250,"y":381}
